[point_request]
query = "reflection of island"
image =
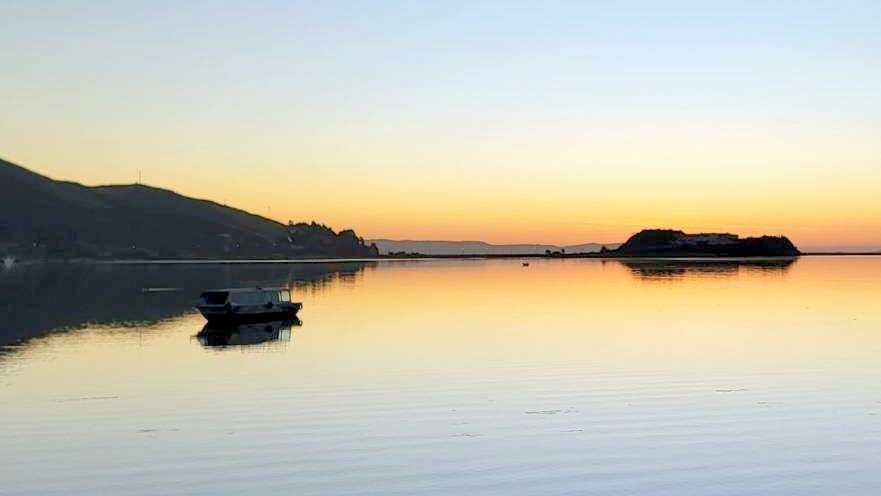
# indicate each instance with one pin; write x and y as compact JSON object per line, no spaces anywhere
{"x":673,"y":268}
{"x":38,"y":298}
{"x":246,"y":334}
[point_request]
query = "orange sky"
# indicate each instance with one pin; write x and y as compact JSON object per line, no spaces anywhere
{"x":817,"y":207}
{"x":577,"y":123}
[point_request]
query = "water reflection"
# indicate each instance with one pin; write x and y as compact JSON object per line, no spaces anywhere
{"x":679,"y":268}
{"x":224,"y":336}
{"x":476,"y":377}
{"x":38,"y":298}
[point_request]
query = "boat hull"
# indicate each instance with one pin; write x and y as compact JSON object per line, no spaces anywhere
{"x":227,"y":314}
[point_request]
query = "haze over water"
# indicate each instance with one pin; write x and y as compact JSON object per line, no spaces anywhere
{"x":450,"y":377}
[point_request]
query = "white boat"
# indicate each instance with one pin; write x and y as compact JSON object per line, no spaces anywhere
{"x":237,"y":305}
{"x":8,"y":262}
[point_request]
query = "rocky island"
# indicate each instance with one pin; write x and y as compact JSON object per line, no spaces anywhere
{"x":672,"y":243}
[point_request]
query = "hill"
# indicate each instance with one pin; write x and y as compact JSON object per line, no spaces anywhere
{"x":387,"y":246}
{"x":671,"y":243}
{"x":44,"y":218}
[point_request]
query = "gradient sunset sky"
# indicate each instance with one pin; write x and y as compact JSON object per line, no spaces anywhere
{"x":552,"y":122}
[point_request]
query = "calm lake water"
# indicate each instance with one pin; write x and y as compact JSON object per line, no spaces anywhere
{"x":448,"y":377}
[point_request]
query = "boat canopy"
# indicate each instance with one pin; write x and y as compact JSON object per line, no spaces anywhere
{"x":215,"y":297}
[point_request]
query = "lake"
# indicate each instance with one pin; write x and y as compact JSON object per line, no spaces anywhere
{"x":483,"y":377}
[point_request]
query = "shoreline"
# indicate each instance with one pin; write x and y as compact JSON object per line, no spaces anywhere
{"x":282,"y":261}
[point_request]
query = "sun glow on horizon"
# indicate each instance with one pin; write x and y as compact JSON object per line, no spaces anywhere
{"x":562,"y":124}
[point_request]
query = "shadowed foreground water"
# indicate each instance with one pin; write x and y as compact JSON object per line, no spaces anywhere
{"x":449,"y":377}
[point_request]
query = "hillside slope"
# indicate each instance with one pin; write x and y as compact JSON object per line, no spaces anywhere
{"x":44,"y":218}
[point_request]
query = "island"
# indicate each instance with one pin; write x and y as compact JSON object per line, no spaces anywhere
{"x":673,"y":243}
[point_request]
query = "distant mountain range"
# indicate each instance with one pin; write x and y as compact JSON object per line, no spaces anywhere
{"x":390,"y":246}
{"x":646,"y":243}
{"x":48,"y":219}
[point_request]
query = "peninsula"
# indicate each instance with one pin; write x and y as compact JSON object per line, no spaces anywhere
{"x":45,"y":219}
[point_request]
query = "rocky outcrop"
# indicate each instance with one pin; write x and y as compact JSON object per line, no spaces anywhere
{"x":672,"y":243}
{"x":318,"y":238}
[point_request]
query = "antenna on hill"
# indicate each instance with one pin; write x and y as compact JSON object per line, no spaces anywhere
{"x":139,"y":176}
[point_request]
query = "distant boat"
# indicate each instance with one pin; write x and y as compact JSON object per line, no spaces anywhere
{"x":240,"y":305}
{"x":8,"y":262}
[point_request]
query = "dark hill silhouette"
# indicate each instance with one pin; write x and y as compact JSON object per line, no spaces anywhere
{"x":671,"y":243}
{"x":44,"y":218}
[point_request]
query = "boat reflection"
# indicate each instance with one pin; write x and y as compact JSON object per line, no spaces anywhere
{"x":225,"y":335}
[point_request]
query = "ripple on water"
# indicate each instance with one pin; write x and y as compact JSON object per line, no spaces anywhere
{"x":609,"y":386}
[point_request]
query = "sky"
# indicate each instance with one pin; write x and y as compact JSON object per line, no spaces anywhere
{"x":502,"y":121}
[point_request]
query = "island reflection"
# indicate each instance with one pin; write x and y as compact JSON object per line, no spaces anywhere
{"x":665,"y":269}
{"x":36,"y":299}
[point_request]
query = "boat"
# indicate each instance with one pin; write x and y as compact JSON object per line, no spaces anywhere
{"x":243,"y":305}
